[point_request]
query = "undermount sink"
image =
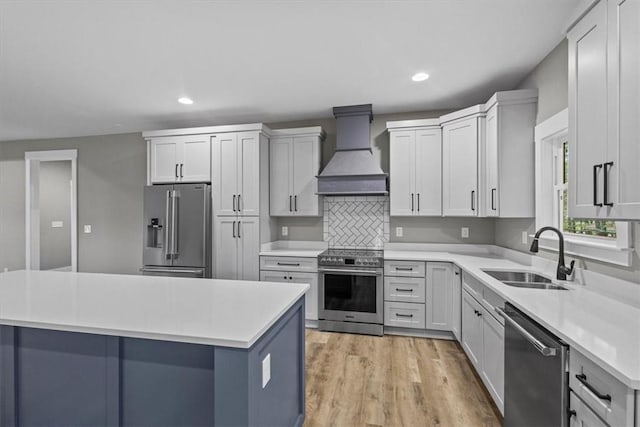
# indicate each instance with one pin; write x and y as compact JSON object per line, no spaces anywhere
{"x":524,"y":279}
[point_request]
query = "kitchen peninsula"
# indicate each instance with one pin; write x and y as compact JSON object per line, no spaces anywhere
{"x":117,"y":350}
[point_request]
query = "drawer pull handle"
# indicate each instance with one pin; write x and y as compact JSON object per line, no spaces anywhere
{"x":404,"y":268}
{"x":403,"y":290}
{"x":583,"y":379}
{"x":404,"y":315}
{"x":290,"y":264}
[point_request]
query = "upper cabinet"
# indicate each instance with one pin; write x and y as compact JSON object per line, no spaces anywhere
{"x":507,"y":170}
{"x":294,"y":164}
{"x":604,"y":106}
{"x":415,"y":167}
{"x":183,"y":158}
{"x":462,"y":138}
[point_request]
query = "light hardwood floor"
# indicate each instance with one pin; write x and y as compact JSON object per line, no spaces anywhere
{"x":357,"y":380}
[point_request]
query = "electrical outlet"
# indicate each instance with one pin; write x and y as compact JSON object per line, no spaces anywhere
{"x":87,"y":229}
{"x":266,"y":370}
{"x":525,"y":237}
{"x":464,"y":232}
{"x":399,"y":232}
{"x":285,"y":231}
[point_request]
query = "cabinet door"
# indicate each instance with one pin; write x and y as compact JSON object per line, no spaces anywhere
{"x":306,"y":165}
{"x":280,"y":172}
{"x":456,"y":301}
{"x":439,"y":294}
{"x":624,"y":104}
{"x":249,"y":173}
{"x":460,"y":168}
{"x":225,"y":173}
{"x":195,"y":159}
{"x":248,"y":248}
{"x":587,"y":113}
{"x":493,"y":358}
{"x":428,"y":172}
{"x":472,"y":330}
{"x":225,"y":245}
{"x":311,"y":298}
{"x":584,"y":416}
{"x":274,"y":276}
{"x":164,"y":160}
{"x":402,"y":165}
{"x":491,"y":197}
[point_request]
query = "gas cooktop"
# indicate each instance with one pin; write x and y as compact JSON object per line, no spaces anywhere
{"x":351,"y":257}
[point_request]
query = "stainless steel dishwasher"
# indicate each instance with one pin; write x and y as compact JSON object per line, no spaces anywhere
{"x":536,"y":374}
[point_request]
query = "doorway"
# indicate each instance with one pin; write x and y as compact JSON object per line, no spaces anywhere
{"x":51,"y":210}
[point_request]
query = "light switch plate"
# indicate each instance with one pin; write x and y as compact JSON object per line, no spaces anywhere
{"x":399,"y":231}
{"x":57,"y":224}
{"x":266,"y":370}
{"x":285,"y":231}
{"x":464,"y":232}
{"x":87,"y":229}
{"x":525,"y":237}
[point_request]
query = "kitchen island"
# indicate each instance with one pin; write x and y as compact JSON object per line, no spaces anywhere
{"x":119,"y":350}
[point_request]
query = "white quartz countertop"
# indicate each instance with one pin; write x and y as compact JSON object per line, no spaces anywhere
{"x":227,"y":313}
{"x":300,"y":249}
{"x":605,"y":330}
{"x":301,"y":253}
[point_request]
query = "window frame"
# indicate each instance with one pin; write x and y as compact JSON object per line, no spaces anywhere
{"x":548,"y":138}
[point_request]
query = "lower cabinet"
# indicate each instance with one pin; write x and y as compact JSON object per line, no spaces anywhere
{"x":439,"y":295}
{"x":580,"y":415}
{"x":456,"y":304}
{"x":236,"y":248}
{"x":404,"y":314}
{"x":472,"y":330}
{"x":288,"y":276}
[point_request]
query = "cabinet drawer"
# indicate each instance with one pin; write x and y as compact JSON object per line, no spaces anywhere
{"x":404,"y":268}
{"x":472,"y":285}
{"x":404,"y":315}
{"x":491,"y":300}
{"x":288,"y":263}
{"x":404,"y":289}
{"x":618,"y":410}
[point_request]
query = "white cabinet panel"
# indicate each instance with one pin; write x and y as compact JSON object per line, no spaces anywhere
{"x":196,"y":159}
{"x":456,"y":304}
{"x":248,"y":234}
{"x":281,"y":172}
{"x":249,"y":174}
{"x":439,"y":295}
{"x":289,"y":263}
{"x":428,"y":172}
{"x":274,"y":276}
{"x":164,"y":160}
{"x":460,"y":168}
{"x":584,"y":416}
{"x":491,"y":174}
{"x":493,"y":358}
{"x":404,"y":268}
{"x":311,"y":297}
{"x":225,"y":254}
{"x":402,"y":173}
{"x":404,"y":315}
{"x":306,"y":166}
{"x":472,"y":330}
{"x":225,"y":173}
{"x":404,"y":289}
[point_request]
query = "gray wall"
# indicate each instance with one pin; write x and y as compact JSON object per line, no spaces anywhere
{"x":550,"y":77}
{"x":431,"y":230}
{"x":55,"y":205}
{"x":111,"y":178}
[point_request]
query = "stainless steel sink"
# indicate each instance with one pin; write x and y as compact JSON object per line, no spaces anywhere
{"x":524,"y":279}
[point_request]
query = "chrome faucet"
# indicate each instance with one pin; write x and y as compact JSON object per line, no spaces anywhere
{"x":562,"y":271}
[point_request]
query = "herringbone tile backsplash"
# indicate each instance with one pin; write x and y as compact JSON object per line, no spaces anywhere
{"x":356,"y":222}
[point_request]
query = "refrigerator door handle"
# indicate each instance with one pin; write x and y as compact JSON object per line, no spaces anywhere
{"x":167,"y":231}
{"x":171,"y":270}
{"x":174,"y":224}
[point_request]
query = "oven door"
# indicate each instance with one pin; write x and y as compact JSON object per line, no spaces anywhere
{"x":351,"y":295}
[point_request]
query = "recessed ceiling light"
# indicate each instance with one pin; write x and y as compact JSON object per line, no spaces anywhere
{"x":420,"y":77}
{"x":186,"y":101}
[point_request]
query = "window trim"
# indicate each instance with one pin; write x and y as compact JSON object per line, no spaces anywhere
{"x":619,"y":251}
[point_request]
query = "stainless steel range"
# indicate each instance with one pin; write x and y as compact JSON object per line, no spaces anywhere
{"x":350,"y":294}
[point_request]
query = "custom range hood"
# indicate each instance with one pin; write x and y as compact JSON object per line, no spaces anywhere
{"x":352,"y":170}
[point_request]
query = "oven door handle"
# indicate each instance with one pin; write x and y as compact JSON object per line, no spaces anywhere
{"x":335,"y":270}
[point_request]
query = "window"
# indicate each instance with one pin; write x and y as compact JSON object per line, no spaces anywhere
{"x":602,"y":240}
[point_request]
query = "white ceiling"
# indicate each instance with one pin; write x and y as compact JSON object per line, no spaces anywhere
{"x":71,"y":68}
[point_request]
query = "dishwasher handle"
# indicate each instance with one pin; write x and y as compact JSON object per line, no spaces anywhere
{"x":545,"y":350}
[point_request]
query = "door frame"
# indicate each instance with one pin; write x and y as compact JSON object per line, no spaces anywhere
{"x":32,"y":209}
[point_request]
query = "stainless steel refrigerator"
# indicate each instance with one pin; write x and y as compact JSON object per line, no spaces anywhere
{"x":177,"y":233}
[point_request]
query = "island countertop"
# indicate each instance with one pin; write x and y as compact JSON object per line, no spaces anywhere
{"x":227,"y":313}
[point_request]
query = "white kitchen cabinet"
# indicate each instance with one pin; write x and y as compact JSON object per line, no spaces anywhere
{"x":236,"y":247}
{"x":456,"y":304}
{"x":294,"y":164}
{"x":580,"y":415}
{"x":236,"y":173}
{"x":461,"y":140}
{"x":604,"y":105}
{"x":183,"y":158}
{"x":472,"y":330}
{"x":493,"y":358}
{"x":508,"y":189}
{"x":439,"y":295}
{"x":415,"y":168}
{"x":311,"y":297}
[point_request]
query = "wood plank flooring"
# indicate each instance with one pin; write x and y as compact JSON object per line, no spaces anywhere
{"x":358,"y":380}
